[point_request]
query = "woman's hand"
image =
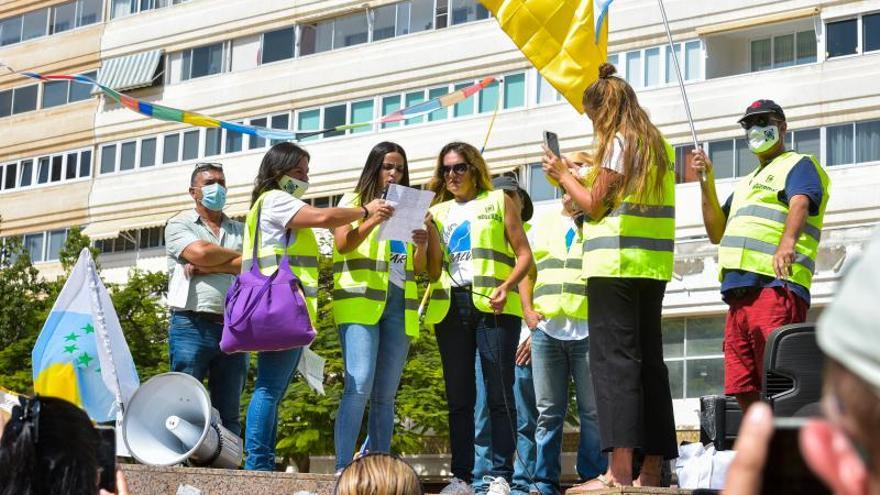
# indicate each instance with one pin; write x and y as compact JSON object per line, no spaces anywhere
{"x":420,"y":238}
{"x":378,"y":211}
{"x":554,"y":166}
{"x":498,"y":299}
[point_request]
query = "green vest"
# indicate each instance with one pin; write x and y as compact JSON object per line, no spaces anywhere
{"x":361,"y":278}
{"x":757,"y":220}
{"x":303,"y":256}
{"x":492,"y":257}
{"x":560,"y":288}
{"x":634,"y":240}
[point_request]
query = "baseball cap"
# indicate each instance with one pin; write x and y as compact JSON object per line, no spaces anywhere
{"x":763,"y":107}
{"x":508,"y":183}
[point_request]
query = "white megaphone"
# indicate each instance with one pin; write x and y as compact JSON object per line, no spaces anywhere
{"x":170,"y":420}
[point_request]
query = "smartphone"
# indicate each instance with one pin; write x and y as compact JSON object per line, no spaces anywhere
{"x":785,"y":470}
{"x":551,"y":140}
{"x":106,"y":457}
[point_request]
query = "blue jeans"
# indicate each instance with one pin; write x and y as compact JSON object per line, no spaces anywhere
{"x":556,"y":362}
{"x":274,"y":372}
{"x":364,"y":347}
{"x":526,"y":421}
{"x":194,"y":349}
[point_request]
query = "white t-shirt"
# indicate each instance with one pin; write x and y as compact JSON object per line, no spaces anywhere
{"x":278,"y":208}
{"x":562,"y":327}
{"x":614,"y":159}
{"x":397,"y":274}
{"x":457,"y":238}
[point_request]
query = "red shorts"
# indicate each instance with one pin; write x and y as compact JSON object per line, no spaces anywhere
{"x":750,"y":320}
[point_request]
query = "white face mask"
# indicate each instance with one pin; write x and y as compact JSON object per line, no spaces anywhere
{"x":292,"y":186}
{"x":762,"y":139}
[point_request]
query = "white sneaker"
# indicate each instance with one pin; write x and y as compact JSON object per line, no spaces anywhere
{"x":497,"y":486}
{"x":457,"y":487}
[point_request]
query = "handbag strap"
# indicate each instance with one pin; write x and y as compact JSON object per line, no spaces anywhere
{"x":285,"y":258}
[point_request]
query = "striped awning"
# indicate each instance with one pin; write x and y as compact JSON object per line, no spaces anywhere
{"x":131,"y":71}
{"x":111,"y":229}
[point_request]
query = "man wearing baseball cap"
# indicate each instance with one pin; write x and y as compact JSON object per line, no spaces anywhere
{"x":769,"y":231}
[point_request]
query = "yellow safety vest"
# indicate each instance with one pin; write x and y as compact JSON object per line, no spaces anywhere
{"x":361,"y":278}
{"x":492,"y":257}
{"x":634,"y":240}
{"x":303,"y":255}
{"x":757,"y":221}
{"x":560,"y":288}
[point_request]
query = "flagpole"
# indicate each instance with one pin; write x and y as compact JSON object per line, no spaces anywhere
{"x":678,"y":75}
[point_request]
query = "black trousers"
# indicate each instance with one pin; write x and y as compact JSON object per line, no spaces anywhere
{"x":626,"y":360}
{"x":464,"y":331}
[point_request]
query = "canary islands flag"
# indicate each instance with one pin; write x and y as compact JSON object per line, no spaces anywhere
{"x":81,"y":354}
{"x":566,"y":40}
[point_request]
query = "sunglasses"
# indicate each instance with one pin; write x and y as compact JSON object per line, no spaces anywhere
{"x":758,"y":120}
{"x":457,"y":169}
{"x":208,"y":165}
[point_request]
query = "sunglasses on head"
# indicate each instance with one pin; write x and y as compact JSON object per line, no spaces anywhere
{"x":457,"y":169}
{"x":758,"y":120}
{"x":208,"y":165}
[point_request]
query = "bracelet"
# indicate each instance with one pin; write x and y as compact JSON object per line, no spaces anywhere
{"x":366,"y":212}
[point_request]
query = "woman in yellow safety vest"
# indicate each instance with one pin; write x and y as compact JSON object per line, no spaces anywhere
{"x":375,"y":307}
{"x":477,"y":255}
{"x":628,"y":253}
{"x":276,"y":206}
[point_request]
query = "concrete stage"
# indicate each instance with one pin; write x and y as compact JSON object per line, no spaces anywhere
{"x":152,"y":480}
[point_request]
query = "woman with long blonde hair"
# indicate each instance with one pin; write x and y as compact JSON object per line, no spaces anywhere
{"x":477,"y":255}
{"x":628,"y":255}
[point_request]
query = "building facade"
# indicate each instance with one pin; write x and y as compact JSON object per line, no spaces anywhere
{"x":70,"y":157}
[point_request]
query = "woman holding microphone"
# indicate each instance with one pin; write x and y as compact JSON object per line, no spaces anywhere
{"x":477,"y":255}
{"x":628,"y":256}
{"x":375,"y":306}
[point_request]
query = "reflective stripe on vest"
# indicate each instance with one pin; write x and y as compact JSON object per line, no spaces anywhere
{"x":636,"y":239}
{"x":757,"y":221}
{"x":491,"y":256}
{"x":303,"y":255}
{"x":361,"y":278}
{"x":560,"y":288}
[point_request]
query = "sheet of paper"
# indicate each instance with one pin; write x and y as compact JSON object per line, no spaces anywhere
{"x":178,"y":288}
{"x":311,"y":366}
{"x":410,"y":206}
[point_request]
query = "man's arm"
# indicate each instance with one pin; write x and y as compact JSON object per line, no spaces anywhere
{"x":232,"y":267}
{"x":204,"y":253}
{"x":798,"y":209}
{"x":714,"y":217}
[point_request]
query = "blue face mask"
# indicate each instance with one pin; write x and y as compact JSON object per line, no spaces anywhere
{"x":214,"y":196}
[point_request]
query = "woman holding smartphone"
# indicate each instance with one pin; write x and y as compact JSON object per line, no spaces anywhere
{"x":375,"y":302}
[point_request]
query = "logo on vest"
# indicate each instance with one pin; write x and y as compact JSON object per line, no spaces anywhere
{"x":459,"y":242}
{"x":398,"y":252}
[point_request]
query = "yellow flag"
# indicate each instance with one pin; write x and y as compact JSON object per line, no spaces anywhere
{"x":559,"y":37}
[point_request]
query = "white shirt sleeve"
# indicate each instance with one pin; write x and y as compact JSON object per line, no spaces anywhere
{"x":614,"y":161}
{"x":278,"y":209}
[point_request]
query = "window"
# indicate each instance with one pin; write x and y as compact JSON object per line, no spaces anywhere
{"x":202,"y":61}
{"x":467,"y":11}
{"x":671,"y":78}
{"x":10,"y":31}
{"x":108,"y":159}
{"x":171,"y":148}
{"x":441,"y":113}
{"x":465,"y":107}
{"x":546,"y":93}
{"x":807,"y":141}
{"x":421,"y":16}
{"x":333,"y":116}
{"x":85,"y":163}
{"x":761,"y":55}
{"x":24,"y":99}
{"x":277,"y":45}
{"x":234,"y":141}
{"x":255,"y":141}
{"x":539,"y":188}
{"x":50,"y":169}
{"x":871,"y":32}
{"x":122,"y":8}
{"x":34,"y":24}
{"x":783,"y":51}
{"x":55,"y":93}
{"x":806,"y":47}
{"x":868,"y":141}
{"x":841,"y":38}
{"x":70,"y":169}
{"x":746,"y":161}
{"x":56,"y":242}
{"x":10,"y":177}
{"x":693,"y":60}
{"x":34,"y":245}
{"x":414,"y":98}
{"x":63,"y":17}
{"x":308,"y":121}
{"x":390,"y":104}
{"x":81,"y":91}
{"x":57,"y":165}
{"x":634,"y":69}
{"x":362,"y":111}
{"x":839,"y":139}
{"x":27,"y":173}
{"x":350,"y":30}
{"x":43,"y":166}
{"x":721,"y":154}
{"x":281,"y":122}
{"x":88,"y":12}
{"x":316,"y":38}
{"x":152,"y":237}
{"x":652,"y":67}
{"x":190,"y":145}
{"x":212,"y":141}
{"x":127,"y":155}
{"x":693,"y":355}
{"x":148,"y":153}
{"x":515,"y":91}
{"x":385,"y":18}
{"x":489,"y":97}
{"x":6,"y":103}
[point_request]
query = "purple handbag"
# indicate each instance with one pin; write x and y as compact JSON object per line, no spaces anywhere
{"x":266,"y":313}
